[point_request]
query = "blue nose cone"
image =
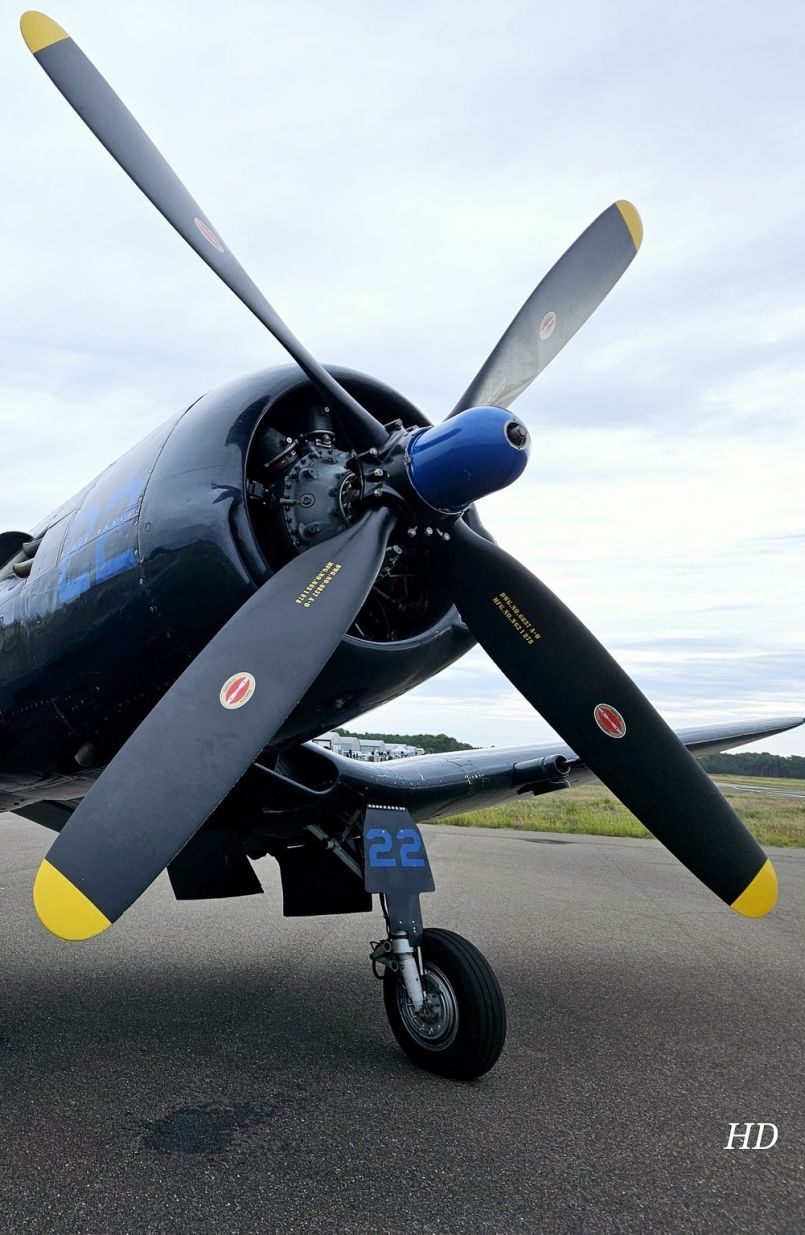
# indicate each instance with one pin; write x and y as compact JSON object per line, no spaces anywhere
{"x":477,"y":452}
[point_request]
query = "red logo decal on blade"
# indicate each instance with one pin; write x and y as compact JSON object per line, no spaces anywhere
{"x":209,"y":235}
{"x":237,"y":690}
{"x":546,"y":326}
{"x":609,"y":720}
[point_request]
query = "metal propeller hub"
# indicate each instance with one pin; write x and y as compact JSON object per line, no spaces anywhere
{"x":432,"y":476}
{"x":517,"y":433}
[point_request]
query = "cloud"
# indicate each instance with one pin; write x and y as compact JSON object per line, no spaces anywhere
{"x":397,"y":179}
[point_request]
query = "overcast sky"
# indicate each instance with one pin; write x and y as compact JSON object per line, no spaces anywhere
{"x":397,"y":178}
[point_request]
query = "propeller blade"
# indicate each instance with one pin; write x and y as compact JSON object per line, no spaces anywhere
{"x":565,"y":673}
{"x":205,"y":732}
{"x":558,"y":306}
{"x":116,"y":129}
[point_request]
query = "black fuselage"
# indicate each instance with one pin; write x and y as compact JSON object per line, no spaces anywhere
{"x":133,"y":576}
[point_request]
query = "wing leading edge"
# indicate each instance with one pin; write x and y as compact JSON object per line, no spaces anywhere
{"x":215,"y":863}
{"x":433,"y":786}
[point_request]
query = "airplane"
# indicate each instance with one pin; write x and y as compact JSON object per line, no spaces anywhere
{"x":285,"y":554}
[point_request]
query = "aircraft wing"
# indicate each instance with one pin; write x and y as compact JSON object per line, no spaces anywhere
{"x":308,"y":783}
{"x":432,"y":786}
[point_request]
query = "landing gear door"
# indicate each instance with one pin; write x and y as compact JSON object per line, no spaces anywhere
{"x":395,"y":865}
{"x":394,"y":855}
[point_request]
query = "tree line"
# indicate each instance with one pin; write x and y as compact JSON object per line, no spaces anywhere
{"x":431,"y":743}
{"x":755,"y":763}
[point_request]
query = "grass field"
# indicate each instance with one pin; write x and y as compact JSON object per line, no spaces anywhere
{"x":592,"y":809}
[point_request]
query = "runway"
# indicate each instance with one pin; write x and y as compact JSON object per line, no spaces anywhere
{"x":213,"y":1068}
{"x":762,"y":789}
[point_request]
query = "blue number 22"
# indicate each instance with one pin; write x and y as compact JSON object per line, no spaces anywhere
{"x":381,"y":847}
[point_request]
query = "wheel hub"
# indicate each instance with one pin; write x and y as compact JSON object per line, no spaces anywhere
{"x":436,"y":1023}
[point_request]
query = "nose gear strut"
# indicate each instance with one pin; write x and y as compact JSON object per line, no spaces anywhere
{"x":442,"y":999}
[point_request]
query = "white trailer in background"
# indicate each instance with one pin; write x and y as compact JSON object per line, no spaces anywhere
{"x":371,"y":750}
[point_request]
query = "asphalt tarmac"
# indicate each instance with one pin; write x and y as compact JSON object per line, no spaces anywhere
{"x":215,"y":1068}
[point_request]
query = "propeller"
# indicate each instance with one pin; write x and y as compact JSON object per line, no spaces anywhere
{"x":214,"y":720}
{"x":566,"y":674}
{"x":228,"y":704}
{"x":558,"y":306}
{"x":113,"y":124}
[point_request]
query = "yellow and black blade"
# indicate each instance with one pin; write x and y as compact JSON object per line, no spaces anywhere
{"x":115,"y":127}
{"x":570,"y":292}
{"x":205,"y":733}
{"x":566,"y":674}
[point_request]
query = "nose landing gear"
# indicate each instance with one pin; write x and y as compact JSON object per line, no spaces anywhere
{"x":443,"y":1001}
{"x":460,"y":1029}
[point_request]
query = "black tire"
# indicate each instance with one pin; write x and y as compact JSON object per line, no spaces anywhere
{"x":467,"y":1038}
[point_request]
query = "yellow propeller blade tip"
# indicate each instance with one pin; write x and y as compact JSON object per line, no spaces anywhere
{"x":760,"y":897}
{"x":40,"y":31}
{"x":63,"y":909}
{"x":633,"y":221}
